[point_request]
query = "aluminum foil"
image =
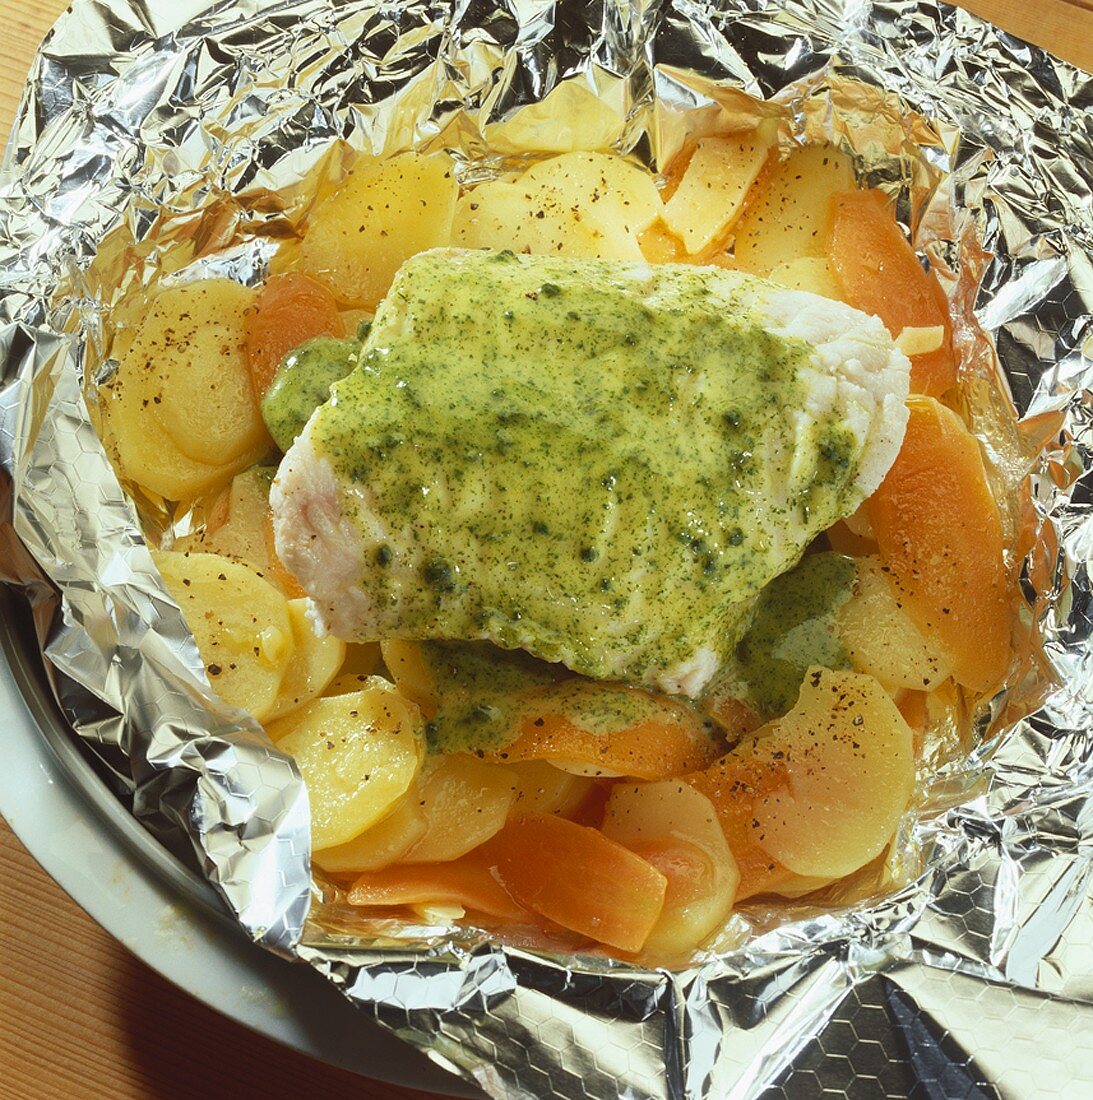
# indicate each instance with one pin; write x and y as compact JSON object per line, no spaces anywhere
{"x":164,"y":136}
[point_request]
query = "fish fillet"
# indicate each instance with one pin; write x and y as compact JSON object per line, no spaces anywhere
{"x":601,"y":463}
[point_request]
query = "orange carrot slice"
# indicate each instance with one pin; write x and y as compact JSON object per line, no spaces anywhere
{"x":578,"y":878}
{"x":879,"y":273}
{"x":734,"y":784}
{"x":467,"y":882}
{"x":940,"y":536}
{"x":288,"y":310}
{"x":610,"y":729}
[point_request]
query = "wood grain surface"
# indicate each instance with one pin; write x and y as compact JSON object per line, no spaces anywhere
{"x":118,"y":1030}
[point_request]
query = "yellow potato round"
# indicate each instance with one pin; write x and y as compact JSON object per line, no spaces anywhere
{"x":790,"y":214}
{"x":465,"y":802}
{"x":314,"y":664}
{"x":811,"y":273}
{"x":849,"y":758}
{"x":358,"y":755}
{"x":502,"y":215}
{"x":585,"y":205}
{"x":406,"y":663}
{"x":608,"y":189}
{"x":358,"y":664}
{"x":711,"y":193}
{"x":181,"y":408}
{"x":384,"y":843}
{"x":382,"y":214}
{"x":240,"y":622}
{"x":880,"y":638}
{"x":541,"y":788}
{"x":242,"y":535}
{"x":673,"y":818}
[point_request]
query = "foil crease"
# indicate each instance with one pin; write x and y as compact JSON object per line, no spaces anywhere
{"x":160,"y":136}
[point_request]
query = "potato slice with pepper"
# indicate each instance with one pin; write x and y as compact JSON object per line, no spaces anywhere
{"x":714,"y":186}
{"x":881,"y":639}
{"x":939,"y":533}
{"x":465,"y":802}
{"x":576,"y":204}
{"x":315,"y":663}
{"x":382,"y":844}
{"x":818,"y":792}
{"x":358,"y":755}
{"x":181,"y":412}
{"x":241,"y":624}
{"x":383,"y":213}
{"x":240,"y":526}
{"x":790,"y":214}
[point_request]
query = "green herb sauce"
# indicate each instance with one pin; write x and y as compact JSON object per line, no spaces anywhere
{"x":794,"y":627}
{"x":302,"y":383}
{"x":478,"y":687}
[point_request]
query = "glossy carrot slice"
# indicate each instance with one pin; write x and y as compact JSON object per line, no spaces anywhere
{"x":734,"y":784}
{"x":940,"y":536}
{"x":578,"y":878}
{"x":879,"y":273}
{"x":468,"y":882}
{"x":288,"y":310}
{"x":610,"y":729}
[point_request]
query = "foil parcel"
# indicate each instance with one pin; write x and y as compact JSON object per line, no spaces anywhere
{"x":161,"y":140}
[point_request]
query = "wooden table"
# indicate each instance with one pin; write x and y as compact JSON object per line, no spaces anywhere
{"x":119,"y":1031}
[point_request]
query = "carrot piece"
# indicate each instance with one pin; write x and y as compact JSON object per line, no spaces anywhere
{"x":940,"y":536}
{"x":467,"y":881}
{"x":288,"y":310}
{"x":879,"y":273}
{"x":734,"y":784}
{"x":578,"y":878}
{"x":610,"y":729}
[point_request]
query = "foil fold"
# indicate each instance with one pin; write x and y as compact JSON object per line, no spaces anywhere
{"x":165,"y":138}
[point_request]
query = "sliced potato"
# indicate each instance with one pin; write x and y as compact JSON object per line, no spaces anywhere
{"x":880,"y":638}
{"x":384,"y":843}
{"x":465,"y":802}
{"x":240,"y":622}
{"x":181,"y":408}
{"x":849,"y":756}
{"x":360,"y":661}
{"x":611,"y":190}
{"x":818,"y":793}
{"x":811,"y":273}
{"x":358,"y":755}
{"x":315,"y":662}
{"x":790,"y":215}
{"x":577,"y":204}
{"x":243,"y":529}
{"x":502,"y":215}
{"x":382,"y":214}
{"x":237,"y":531}
{"x":675,"y":828}
{"x":711,"y":193}
{"x":541,"y":788}
{"x":406,"y":663}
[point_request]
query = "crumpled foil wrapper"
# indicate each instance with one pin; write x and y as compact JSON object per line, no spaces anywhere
{"x":165,"y":136}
